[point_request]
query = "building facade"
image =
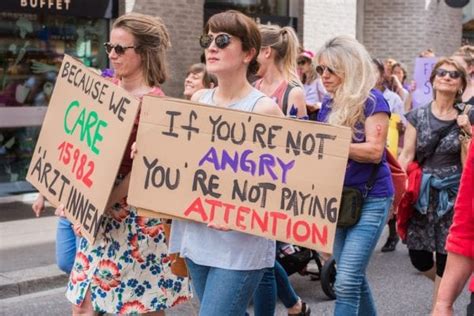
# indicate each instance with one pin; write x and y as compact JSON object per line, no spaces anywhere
{"x":34,"y":35}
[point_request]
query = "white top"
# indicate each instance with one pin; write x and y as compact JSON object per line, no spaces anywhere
{"x":230,"y":250}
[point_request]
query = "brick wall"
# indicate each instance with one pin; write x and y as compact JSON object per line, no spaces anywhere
{"x":184,"y":20}
{"x":324,"y":19}
{"x":402,"y":28}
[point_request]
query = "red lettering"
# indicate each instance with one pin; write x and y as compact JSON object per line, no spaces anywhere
{"x":228,"y":207}
{"x":323,"y":240}
{"x":263,"y":224}
{"x":288,"y":228}
{"x":213,"y":204}
{"x":197,"y":207}
{"x":240,"y":221}
{"x":276,"y":216}
{"x":296,"y":231}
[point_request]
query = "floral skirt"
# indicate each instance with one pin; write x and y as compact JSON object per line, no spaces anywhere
{"x":127,"y":269}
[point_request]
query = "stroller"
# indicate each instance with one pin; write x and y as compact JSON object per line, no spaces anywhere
{"x":296,"y":259}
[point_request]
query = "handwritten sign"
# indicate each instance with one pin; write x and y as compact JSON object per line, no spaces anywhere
{"x":80,"y":147}
{"x":424,"y":91}
{"x":273,"y":177}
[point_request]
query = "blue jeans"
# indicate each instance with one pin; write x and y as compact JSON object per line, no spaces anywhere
{"x":66,"y":245}
{"x":353,"y":248}
{"x":223,"y":291}
{"x":275,"y":281}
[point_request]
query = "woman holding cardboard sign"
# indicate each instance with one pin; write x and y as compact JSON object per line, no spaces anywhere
{"x":127,"y":269}
{"x":348,"y":75}
{"x":226,"y":266}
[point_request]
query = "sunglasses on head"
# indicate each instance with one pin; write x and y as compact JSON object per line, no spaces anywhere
{"x":222,"y":40}
{"x":119,"y":49}
{"x":321,"y":69}
{"x":453,"y":74}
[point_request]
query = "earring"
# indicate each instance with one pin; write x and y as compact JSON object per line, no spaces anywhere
{"x":460,"y":91}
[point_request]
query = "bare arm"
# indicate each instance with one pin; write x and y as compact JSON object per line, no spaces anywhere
{"x":371,"y":151}
{"x":458,"y":269}
{"x":266,"y":106}
{"x":297,"y":99}
{"x":38,"y":205}
{"x":409,"y":147}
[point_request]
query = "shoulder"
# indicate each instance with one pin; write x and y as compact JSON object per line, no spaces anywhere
{"x":419,"y":114}
{"x":198,"y":94}
{"x":296,"y":92}
{"x":267,"y":106}
{"x":390,"y":95}
{"x":376,"y":103}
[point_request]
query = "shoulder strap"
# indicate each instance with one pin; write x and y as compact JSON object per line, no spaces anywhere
{"x":445,"y":131}
{"x":285,"y":98}
{"x":372,"y":177}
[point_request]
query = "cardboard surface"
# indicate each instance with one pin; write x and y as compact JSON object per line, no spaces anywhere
{"x":274,"y":177}
{"x":424,"y":91}
{"x":81,"y":144}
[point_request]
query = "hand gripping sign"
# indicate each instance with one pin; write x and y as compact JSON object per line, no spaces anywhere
{"x":273,"y":177}
{"x":81,"y":144}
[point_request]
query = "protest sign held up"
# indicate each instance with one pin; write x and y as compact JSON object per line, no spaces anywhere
{"x":273,"y":177}
{"x":424,"y":91}
{"x":80,"y":147}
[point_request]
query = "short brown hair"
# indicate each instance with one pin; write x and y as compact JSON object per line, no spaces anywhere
{"x":455,"y":64}
{"x":207,"y":78}
{"x":238,"y":24}
{"x":152,"y":41}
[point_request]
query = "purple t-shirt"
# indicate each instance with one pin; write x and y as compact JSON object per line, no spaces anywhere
{"x":357,"y":173}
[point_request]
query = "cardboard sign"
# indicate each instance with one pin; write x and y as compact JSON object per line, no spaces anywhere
{"x":81,"y":144}
{"x":424,"y":91}
{"x":273,"y":177}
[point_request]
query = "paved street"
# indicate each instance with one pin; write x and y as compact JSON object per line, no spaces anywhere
{"x":28,"y":243}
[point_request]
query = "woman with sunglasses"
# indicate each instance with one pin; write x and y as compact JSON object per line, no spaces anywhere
{"x":431,"y":139}
{"x":279,"y":81}
{"x":349,"y":77}
{"x":127,"y":270}
{"x":226,"y":266}
{"x":313,"y":87}
{"x":277,"y":69}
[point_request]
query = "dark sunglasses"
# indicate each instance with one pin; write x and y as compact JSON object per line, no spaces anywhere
{"x":222,"y":40}
{"x":301,"y":62}
{"x":321,"y":69}
{"x":454,"y":74}
{"x":119,"y":49}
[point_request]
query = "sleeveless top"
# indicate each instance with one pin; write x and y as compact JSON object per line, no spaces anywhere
{"x":278,"y":94}
{"x":230,"y":250}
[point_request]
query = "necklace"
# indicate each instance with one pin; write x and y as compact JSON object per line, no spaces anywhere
{"x":443,"y":115}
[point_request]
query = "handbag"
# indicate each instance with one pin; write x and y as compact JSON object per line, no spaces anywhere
{"x":399,"y":179}
{"x":464,"y":137}
{"x":352,"y":201}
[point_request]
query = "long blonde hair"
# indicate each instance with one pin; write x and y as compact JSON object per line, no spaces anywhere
{"x":152,"y":41}
{"x":285,"y":43}
{"x":353,"y":64}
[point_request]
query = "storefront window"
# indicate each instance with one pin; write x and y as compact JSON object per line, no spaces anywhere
{"x":31,"y":51}
{"x":263,"y":11}
{"x":253,"y":7}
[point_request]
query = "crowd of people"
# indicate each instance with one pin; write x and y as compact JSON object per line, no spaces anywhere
{"x":264,"y":69}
